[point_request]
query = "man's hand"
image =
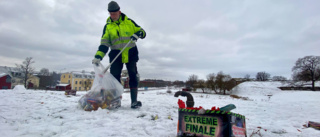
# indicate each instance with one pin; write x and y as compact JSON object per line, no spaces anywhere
{"x":134,"y":37}
{"x":96,"y":61}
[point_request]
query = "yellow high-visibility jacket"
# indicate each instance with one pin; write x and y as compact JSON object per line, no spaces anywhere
{"x":116,"y":34}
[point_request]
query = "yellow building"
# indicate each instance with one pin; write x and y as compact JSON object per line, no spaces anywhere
{"x":80,"y":81}
{"x":33,"y":82}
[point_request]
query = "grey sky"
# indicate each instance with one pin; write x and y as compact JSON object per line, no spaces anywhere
{"x":184,"y":37}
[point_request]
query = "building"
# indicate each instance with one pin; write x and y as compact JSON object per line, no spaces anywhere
{"x":46,"y":82}
{"x":33,"y":82}
{"x":49,"y":81}
{"x":63,"y":87}
{"x":17,"y":77}
{"x":153,"y":83}
{"x":15,"y":73}
{"x":79,"y":81}
{"x":5,"y":81}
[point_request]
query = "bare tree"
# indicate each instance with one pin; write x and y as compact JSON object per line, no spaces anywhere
{"x":192,"y":80}
{"x":247,"y":77}
{"x":44,"y":72}
{"x":222,"y":81}
{"x":279,"y":78}
{"x":26,"y":69}
{"x":178,"y":83}
{"x":201,"y":84}
{"x":211,"y":82}
{"x":317,"y":74}
{"x":262,"y":76}
{"x":307,"y":68}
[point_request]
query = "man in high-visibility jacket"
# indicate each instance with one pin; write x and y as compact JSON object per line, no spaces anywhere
{"x":117,"y":32}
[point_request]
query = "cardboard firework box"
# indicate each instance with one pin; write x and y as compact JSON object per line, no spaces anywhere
{"x":211,"y":123}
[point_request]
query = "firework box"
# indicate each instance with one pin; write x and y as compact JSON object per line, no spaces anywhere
{"x":210,"y":124}
{"x":70,"y":92}
{"x":315,"y":125}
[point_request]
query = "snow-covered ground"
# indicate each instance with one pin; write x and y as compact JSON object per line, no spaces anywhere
{"x":36,"y":113}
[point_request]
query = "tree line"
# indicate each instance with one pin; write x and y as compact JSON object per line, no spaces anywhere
{"x":47,"y":79}
{"x":27,"y":72}
{"x":304,"y":69}
{"x":218,"y":83}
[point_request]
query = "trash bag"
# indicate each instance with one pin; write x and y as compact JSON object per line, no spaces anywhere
{"x":106,"y":92}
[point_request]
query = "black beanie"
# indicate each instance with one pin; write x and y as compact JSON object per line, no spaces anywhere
{"x":113,"y":6}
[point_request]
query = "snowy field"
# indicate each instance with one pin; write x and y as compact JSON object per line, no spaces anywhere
{"x":38,"y":113}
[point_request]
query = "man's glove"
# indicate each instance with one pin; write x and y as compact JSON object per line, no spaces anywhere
{"x":96,"y":61}
{"x":134,"y":37}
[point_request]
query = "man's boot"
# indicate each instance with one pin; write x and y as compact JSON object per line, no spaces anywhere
{"x":134,"y":95}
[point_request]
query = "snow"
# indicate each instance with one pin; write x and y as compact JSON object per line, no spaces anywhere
{"x":63,"y":85}
{"x":35,"y":113}
{"x":3,"y":74}
{"x":19,"y":88}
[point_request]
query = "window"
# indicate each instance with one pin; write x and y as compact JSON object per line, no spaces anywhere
{"x":64,"y":76}
{"x":68,"y":81}
{"x":8,"y":80}
{"x":76,"y":82}
{"x":79,"y":88}
{"x":75,"y":88}
{"x":69,"y":76}
{"x":80,"y":82}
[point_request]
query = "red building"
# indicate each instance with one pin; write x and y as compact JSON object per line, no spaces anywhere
{"x":63,"y":87}
{"x":5,"y":81}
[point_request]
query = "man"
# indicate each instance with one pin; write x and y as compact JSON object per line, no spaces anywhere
{"x":117,"y":32}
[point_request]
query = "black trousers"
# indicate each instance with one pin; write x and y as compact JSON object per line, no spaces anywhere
{"x":116,"y":69}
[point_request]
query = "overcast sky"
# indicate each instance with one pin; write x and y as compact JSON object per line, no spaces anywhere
{"x":184,"y":37}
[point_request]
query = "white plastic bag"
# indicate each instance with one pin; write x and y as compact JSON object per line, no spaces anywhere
{"x":105,"y":92}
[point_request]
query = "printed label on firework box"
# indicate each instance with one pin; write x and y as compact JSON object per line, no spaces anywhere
{"x":238,"y":126}
{"x":210,"y":124}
